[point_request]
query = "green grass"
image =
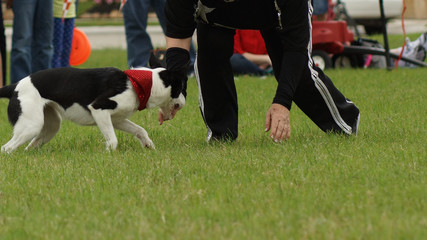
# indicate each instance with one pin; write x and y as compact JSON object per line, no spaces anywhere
{"x":83,"y":22}
{"x":84,"y":6}
{"x":314,"y":186}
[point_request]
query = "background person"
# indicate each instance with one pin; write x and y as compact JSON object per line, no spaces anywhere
{"x":32,"y":35}
{"x":2,"y":50}
{"x":63,"y":27}
{"x":413,"y":49}
{"x":135,"y":15}
{"x":250,"y":54}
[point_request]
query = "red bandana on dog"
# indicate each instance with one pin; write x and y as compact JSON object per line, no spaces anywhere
{"x":142,"y":82}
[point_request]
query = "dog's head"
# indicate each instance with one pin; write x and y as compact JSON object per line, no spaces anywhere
{"x":177,"y":81}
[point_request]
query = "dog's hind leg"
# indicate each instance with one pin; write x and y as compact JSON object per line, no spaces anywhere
{"x":103,"y":120}
{"x":139,"y":132}
{"x":25,"y":112}
{"x":52,"y":124}
{"x":24,"y":130}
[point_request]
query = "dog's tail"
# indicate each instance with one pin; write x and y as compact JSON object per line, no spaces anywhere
{"x":7,"y":91}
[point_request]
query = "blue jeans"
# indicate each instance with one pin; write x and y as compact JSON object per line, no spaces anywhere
{"x":62,"y":41}
{"x":32,"y":37}
{"x":139,"y":46}
{"x":135,"y":14}
{"x":242,"y":65}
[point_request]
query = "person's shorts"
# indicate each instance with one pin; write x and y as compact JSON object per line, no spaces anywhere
{"x":320,"y":7}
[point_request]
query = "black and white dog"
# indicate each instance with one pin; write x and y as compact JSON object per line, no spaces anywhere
{"x":106,"y":97}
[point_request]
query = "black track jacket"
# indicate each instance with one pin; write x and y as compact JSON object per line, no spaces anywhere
{"x":290,"y":19}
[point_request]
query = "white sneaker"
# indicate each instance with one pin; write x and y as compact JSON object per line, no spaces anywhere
{"x":422,"y":40}
{"x":414,"y":50}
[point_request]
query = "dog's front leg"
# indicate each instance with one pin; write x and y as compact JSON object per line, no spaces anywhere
{"x":103,"y":120}
{"x":139,"y":132}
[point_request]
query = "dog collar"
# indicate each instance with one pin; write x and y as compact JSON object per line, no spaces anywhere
{"x":142,"y":81}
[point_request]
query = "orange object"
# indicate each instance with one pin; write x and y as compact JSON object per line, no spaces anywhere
{"x":80,"y":48}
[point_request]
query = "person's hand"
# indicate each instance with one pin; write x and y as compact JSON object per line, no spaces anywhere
{"x":9,"y":4}
{"x":277,"y":120}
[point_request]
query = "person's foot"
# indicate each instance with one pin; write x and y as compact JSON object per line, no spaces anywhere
{"x":355,"y":127}
{"x":221,"y":137}
{"x":422,"y":40}
{"x":269,"y":70}
{"x":421,"y":54}
{"x":414,"y":50}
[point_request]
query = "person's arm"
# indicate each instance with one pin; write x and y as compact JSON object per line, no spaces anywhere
{"x":295,"y":37}
{"x":258,"y":59}
{"x":180,"y":27}
{"x":179,"y":16}
{"x":177,"y":57}
{"x":179,"y":43}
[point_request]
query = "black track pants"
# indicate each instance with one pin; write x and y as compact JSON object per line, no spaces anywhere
{"x":217,"y":92}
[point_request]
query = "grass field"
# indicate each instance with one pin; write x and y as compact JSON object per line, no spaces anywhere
{"x":314,"y":186}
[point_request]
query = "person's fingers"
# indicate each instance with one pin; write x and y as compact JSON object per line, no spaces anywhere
{"x":267,"y":121}
{"x":274,"y":127}
{"x":277,"y":120}
{"x":280,"y":131}
{"x":285,"y":133}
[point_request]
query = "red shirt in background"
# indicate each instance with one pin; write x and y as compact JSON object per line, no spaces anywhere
{"x":250,"y":41}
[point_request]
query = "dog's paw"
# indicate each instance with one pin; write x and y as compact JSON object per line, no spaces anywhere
{"x":7,"y":150}
{"x":147,"y":143}
{"x":111,"y":145}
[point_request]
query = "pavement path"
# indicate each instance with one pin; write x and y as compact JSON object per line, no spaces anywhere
{"x":102,"y":37}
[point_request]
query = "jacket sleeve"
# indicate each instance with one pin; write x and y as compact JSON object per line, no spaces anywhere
{"x":180,"y":21}
{"x":295,"y":37}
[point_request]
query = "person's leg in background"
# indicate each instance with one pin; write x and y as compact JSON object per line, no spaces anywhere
{"x":217,"y":92}
{"x":192,"y":58}
{"x":41,"y":47}
{"x":135,"y":15}
{"x":58,"y":36}
{"x":2,"y":49}
{"x":20,"y":56}
{"x":159,"y":8}
{"x":67,"y":41}
{"x":242,"y":65}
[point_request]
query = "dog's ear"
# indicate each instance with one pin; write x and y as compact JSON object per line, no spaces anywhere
{"x":157,"y":58}
{"x":177,"y":79}
{"x":171,"y":76}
